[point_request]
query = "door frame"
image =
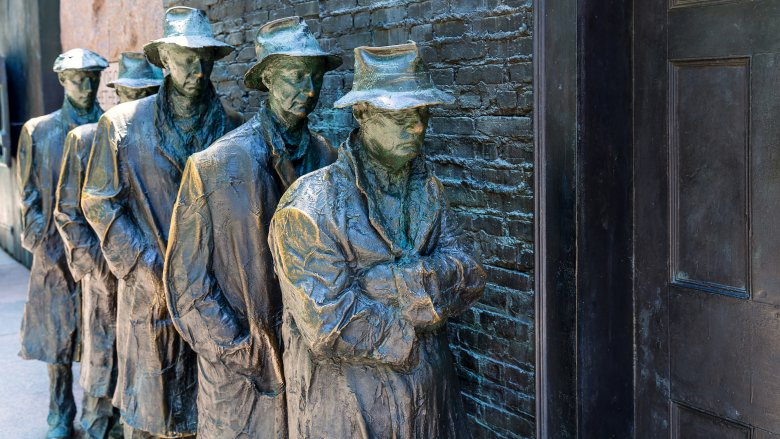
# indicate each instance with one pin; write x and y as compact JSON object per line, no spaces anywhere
{"x":583,"y":134}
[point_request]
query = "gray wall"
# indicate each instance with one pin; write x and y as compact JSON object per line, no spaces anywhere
{"x":29,"y":42}
{"x":481,"y":148}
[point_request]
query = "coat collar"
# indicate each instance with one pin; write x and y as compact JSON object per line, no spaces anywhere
{"x":73,"y":117}
{"x":424,"y":198}
{"x":177,"y":146}
{"x":281,"y":160}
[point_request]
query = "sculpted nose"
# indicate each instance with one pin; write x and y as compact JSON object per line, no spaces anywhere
{"x":308,"y":87}
{"x":198,"y":69}
{"x":418,"y":128}
{"x":86,"y":85}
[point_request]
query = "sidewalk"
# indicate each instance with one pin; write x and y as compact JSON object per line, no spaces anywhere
{"x":24,"y":386}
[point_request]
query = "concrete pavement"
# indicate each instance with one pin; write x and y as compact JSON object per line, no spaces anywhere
{"x":24,"y":385}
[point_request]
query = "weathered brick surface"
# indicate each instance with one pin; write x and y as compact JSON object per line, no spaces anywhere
{"x":481,"y":148}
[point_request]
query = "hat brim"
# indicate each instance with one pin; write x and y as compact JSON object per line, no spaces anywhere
{"x":396,"y":100}
{"x":221,"y":50}
{"x":135,"y":83}
{"x":81,"y":69}
{"x":253,"y":79}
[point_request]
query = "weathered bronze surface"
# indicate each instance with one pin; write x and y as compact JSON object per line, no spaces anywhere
{"x":51,"y":322}
{"x":221,"y":291}
{"x":85,"y":259}
{"x":370,"y":271}
{"x":133,"y":175}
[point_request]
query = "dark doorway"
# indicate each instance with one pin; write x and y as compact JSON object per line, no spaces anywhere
{"x":707,"y":204}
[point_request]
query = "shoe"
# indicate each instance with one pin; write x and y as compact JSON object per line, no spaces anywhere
{"x":116,"y":432}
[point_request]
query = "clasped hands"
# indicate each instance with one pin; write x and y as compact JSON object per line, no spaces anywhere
{"x":410,"y":285}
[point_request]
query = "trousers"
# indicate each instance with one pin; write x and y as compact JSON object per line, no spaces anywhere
{"x":62,"y":406}
{"x":98,"y":416}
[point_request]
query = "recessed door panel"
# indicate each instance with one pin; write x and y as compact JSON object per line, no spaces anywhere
{"x":709,"y":145}
{"x":688,"y":423}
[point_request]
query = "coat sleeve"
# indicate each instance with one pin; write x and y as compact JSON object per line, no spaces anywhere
{"x":336,"y":318}
{"x":200,"y":311}
{"x":431,"y":288}
{"x":33,"y":222}
{"x":103,"y":201}
{"x":82,"y":247}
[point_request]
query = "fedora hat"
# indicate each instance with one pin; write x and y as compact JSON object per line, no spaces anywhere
{"x":285,"y":37}
{"x":135,"y":71}
{"x":186,"y":27}
{"x":392,"y":78}
{"x":80,"y":59}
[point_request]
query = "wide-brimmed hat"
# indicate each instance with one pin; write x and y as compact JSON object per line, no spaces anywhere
{"x":135,"y":71}
{"x":392,"y":78}
{"x":186,"y":27}
{"x":80,"y":59}
{"x":285,"y":37}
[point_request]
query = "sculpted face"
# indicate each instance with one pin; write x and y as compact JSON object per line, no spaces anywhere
{"x":80,"y":87}
{"x":294,"y":85}
{"x":189,"y":69}
{"x":392,"y":137}
{"x":128,"y":94}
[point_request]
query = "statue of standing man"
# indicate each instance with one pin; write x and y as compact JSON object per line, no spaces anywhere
{"x":132,"y":179}
{"x":370,"y":271}
{"x":137,"y":79}
{"x":51,"y":322}
{"x":220,"y":286}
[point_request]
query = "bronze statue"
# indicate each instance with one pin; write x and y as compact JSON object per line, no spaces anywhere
{"x":132,"y":178}
{"x":370,"y":271}
{"x":137,"y":78}
{"x":219,"y":279}
{"x":51,"y":322}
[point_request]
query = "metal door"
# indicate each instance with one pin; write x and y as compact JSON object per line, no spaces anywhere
{"x":707,"y":218}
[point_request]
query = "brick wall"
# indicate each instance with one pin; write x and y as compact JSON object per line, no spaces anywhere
{"x":480,"y":147}
{"x":109,"y":28}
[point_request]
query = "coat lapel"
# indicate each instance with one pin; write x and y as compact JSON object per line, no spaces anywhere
{"x":425,"y":208}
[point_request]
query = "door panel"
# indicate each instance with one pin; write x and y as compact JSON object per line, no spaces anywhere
{"x":708,"y":175}
{"x":707,"y":219}
{"x":693,"y":424}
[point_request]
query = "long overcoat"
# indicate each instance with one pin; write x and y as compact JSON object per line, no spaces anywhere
{"x":133,"y":176}
{"x":87,"y":265}
{"x":51,"y":321}
{"x":366,"y":352}
{"x":220,"y":285}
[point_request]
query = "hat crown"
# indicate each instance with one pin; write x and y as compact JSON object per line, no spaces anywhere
{"x":289,"y":36}
{"x":285,"y":35}
{"x":183,"y":21}
{"x":395,"y":68}
{"x":392,"y":78}
{"x":79,"y":59}
{"x":134,"y":65}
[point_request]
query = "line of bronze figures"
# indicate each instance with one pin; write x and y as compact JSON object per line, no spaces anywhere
{"x":242,"y":280}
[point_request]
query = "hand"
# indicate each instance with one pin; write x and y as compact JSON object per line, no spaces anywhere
{"x":400,"y":349}
{"x":378,"y":283}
